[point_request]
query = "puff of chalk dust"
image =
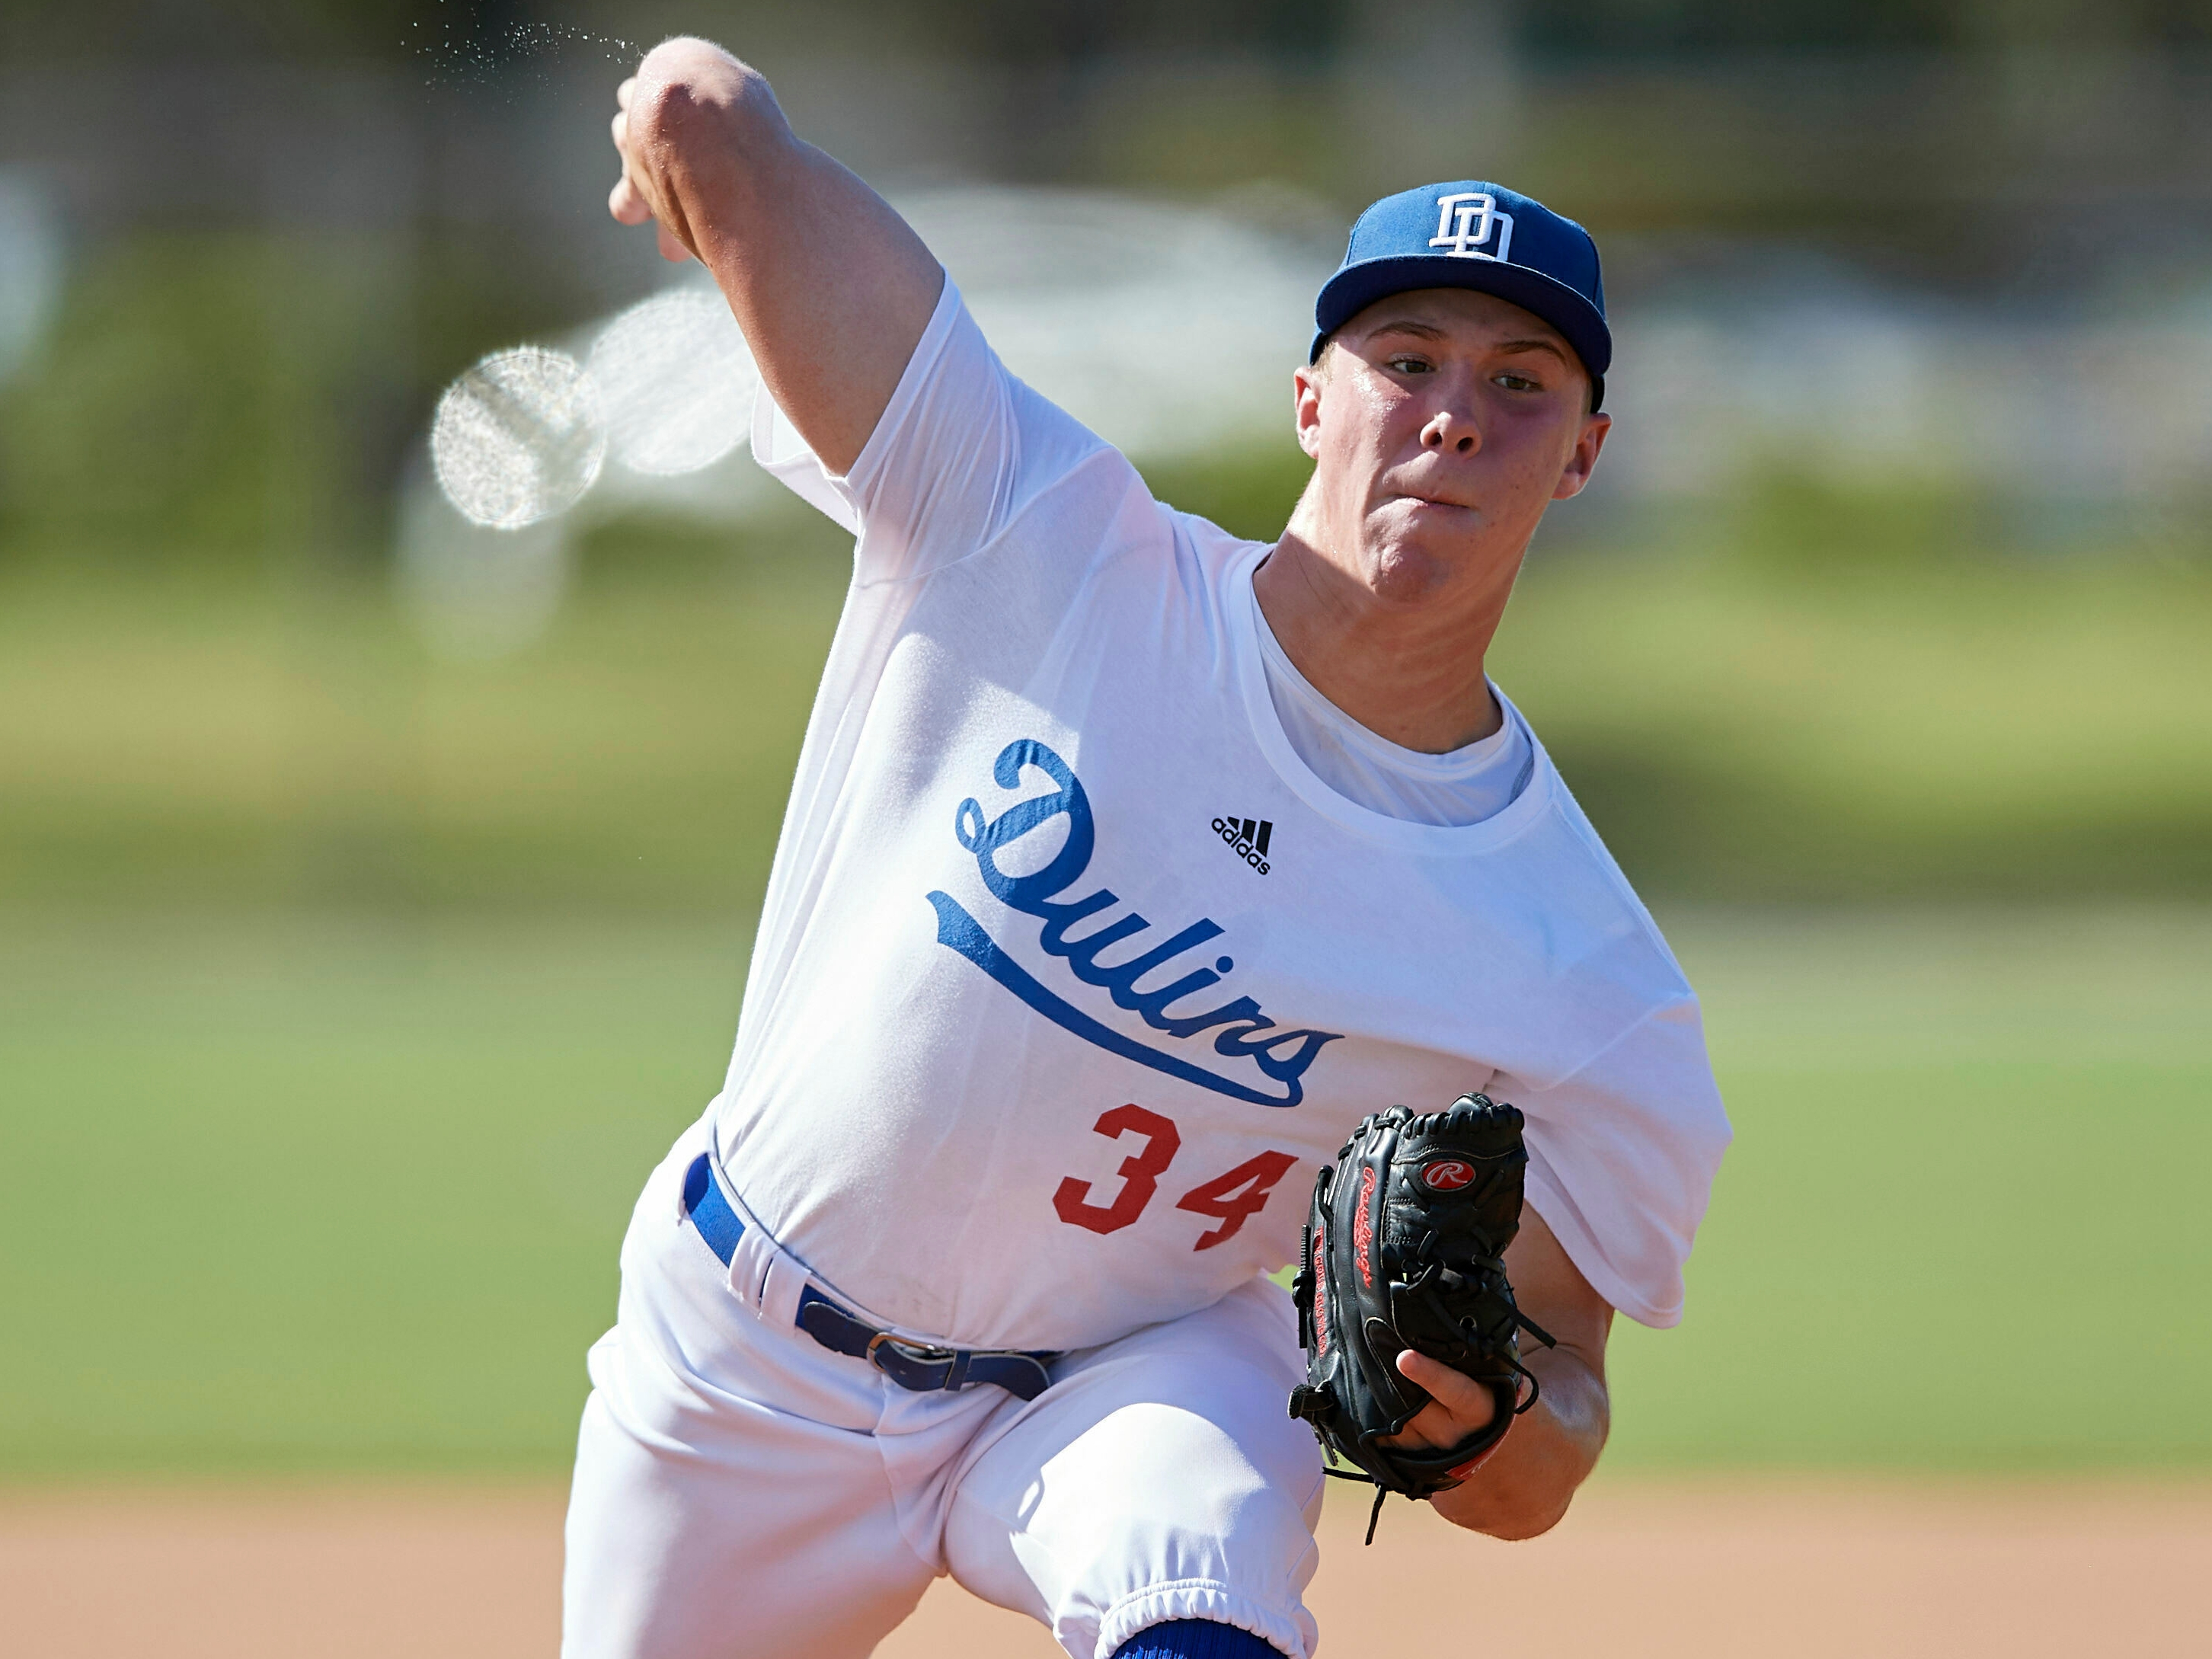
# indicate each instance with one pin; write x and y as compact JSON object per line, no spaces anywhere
{"x":519,"y":438}
{"x":675,"y":382}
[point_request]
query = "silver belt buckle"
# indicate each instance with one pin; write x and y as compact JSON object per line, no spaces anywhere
{"x":921,"y":1354}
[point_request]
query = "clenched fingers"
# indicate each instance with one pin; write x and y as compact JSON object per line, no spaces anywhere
{"x":1458,"y":1407}
{"x":626,"y":201}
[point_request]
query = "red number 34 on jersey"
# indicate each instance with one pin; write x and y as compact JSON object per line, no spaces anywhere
{"x":1230,"y":1198}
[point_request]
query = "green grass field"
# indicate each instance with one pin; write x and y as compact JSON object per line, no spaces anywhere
{"x":1963,"y":1224}
{"x":288,"y":1194}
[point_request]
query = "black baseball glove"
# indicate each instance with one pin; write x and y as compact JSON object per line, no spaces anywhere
{"x":1404,"y":1249}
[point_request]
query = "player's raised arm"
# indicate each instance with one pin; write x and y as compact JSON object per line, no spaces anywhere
{"x":832,"y":288}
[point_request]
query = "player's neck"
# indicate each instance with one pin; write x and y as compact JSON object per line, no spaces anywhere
{"x":1408,"y":671}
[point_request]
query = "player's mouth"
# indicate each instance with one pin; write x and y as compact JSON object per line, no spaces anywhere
{"x":1437,"y":503}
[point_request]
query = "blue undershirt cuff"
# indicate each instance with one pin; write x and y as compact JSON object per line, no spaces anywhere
{"x":1196,"y":1638}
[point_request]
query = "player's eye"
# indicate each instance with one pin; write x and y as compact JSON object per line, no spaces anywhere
{"x":1406,"y":364}
{"x":1513,"y":382}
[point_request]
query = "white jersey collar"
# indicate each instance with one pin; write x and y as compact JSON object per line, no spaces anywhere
{"x":1241,"y":607}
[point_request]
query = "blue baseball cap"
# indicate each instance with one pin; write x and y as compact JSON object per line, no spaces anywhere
{"x":1478,"y":235}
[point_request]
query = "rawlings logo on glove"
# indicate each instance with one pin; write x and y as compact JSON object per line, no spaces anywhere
{"x":1436,"y":1201}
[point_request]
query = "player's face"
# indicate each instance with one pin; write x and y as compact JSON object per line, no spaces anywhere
{"x":1442,"y":422}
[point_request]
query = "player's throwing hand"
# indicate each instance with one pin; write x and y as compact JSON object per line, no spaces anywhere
{"x":631,"y":200}
{"x":674,"y":121}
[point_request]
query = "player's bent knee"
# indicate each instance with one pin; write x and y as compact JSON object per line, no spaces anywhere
{"x":1165,"y":1489}
{"x":1198,"y":1461}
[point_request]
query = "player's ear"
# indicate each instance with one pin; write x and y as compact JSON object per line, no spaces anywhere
{"x":1305,"y":404}
{"x":1583,"y":460}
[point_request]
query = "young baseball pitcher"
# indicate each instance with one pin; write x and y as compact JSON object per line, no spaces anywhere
{"x":1130,"y":869}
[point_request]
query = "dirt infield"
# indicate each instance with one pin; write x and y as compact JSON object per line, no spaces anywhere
{"x":1641,"y":1570}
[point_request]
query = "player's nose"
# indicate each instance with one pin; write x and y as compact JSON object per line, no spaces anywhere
{"x":1451,"y":432}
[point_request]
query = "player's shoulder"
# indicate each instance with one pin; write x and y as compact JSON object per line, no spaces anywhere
{"x":1218,"y":549}
{"x":1588,"y":905}
{"x":1200,"y":556}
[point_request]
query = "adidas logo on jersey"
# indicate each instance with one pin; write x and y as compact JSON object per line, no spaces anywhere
{"x":1248,"y":838}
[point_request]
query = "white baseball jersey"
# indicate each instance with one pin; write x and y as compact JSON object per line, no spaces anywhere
{"x":1071,"y":970}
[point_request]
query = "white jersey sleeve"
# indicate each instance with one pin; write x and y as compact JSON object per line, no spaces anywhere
{"x":1621,"y":1159}
{"x":962,"y":447}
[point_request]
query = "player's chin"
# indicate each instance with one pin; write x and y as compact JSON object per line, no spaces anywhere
{"x":1411,"y":556}
{"x":1446,"y":532}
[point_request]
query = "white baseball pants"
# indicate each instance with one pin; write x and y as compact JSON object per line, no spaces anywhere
{"x":742,"y":1492}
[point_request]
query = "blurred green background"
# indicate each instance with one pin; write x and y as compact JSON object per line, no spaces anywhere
{"x":349,"y":984}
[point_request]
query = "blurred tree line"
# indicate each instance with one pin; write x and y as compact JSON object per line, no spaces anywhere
{"x":288,"y":226}
{"x":1031,"y":30}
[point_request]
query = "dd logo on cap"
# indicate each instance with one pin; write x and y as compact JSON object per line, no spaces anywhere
{"x":1448,"y":1174}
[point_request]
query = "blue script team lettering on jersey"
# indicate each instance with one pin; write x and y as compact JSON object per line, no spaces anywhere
{"x":1282,"y":1055}
{"x":1031,"y":1053}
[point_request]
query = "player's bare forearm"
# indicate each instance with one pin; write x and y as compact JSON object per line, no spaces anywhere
{"x":832,"y":288}
{"x":1527,"y":1484}
{"x":1524,"y":1487}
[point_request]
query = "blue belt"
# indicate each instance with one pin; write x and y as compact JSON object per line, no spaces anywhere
{"x":915,"y":1365}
